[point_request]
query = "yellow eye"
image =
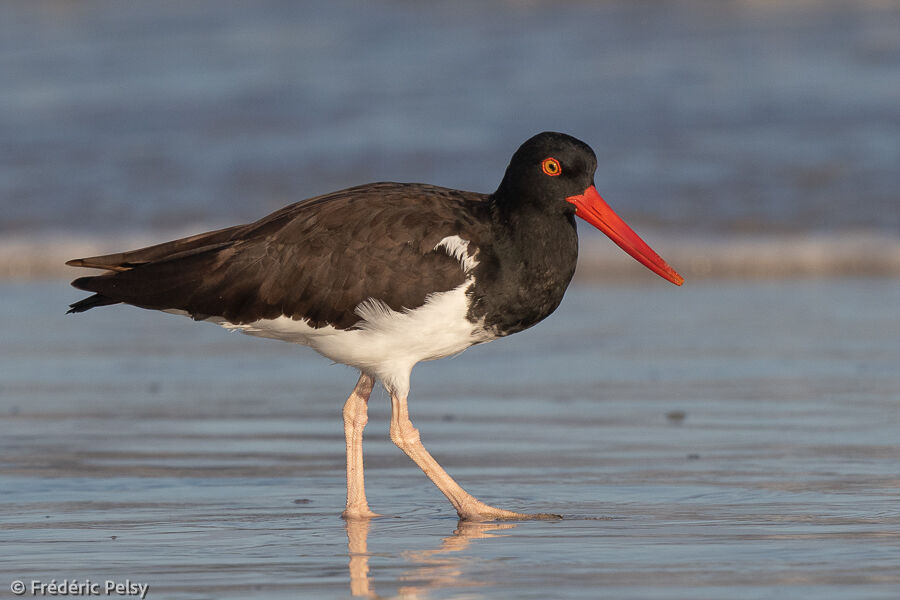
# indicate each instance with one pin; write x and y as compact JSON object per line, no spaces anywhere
{"x":551,"y":167}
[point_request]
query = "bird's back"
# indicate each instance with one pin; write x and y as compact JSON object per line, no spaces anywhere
{"x":315,"y":260}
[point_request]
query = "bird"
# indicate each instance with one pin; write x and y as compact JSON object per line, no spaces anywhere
{"x":385,"y":275}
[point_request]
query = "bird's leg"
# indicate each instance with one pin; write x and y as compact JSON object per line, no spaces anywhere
{"x":355,"y":419}
{"x":406,"y":437}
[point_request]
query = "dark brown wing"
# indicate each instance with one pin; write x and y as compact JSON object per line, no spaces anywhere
{"x":314,"y":260}
{"x":122,"y":261}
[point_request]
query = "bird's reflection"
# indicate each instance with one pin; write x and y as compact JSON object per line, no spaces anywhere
{"x":431,"y":569}
{"x":358,"y":549}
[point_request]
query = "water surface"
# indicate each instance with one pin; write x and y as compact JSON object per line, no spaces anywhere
{"x":731,"y":440}
{"x":707,"y":117}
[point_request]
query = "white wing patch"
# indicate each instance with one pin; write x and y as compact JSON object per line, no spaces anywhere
{"x":458,"y":248}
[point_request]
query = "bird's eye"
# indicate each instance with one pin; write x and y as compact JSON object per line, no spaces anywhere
{"x":551,"y":167}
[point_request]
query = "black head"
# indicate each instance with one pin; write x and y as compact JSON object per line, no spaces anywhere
{"x":547,"y":169}
{"x":553,"y":174}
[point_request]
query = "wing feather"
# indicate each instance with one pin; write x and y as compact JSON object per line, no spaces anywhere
{"x":315,"y":260}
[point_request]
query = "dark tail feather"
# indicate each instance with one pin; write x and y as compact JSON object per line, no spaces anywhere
{"x":90,"y":302}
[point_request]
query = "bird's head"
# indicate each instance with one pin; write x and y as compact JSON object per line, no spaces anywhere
{"x":556,"y":172}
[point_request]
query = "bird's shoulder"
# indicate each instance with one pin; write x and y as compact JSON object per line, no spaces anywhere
{"x":387,"y":211}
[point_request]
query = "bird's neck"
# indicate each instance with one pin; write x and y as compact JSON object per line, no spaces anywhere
{"x":531,"y":238}
{"x":532,"y":259}
{"x":530,"y":220}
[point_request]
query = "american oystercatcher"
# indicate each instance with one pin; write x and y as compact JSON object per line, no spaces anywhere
{"x":384,"y":275}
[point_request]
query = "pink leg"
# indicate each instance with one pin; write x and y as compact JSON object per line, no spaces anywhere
{"x":355,"y":419}
{"x":469,"y":508}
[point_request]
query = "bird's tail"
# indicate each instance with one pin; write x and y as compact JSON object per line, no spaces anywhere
{"x":90,"y":302}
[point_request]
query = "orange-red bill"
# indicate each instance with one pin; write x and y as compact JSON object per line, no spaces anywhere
{"x":593,"y":209}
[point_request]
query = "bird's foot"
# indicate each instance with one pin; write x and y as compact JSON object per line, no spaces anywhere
{"x":479,"y":511}
{"x":358,"y":512}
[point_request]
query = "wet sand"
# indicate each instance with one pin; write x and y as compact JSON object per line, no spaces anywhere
{"x":733,"y":440}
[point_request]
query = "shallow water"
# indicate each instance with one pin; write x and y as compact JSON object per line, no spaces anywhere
{"x":722,"y":440}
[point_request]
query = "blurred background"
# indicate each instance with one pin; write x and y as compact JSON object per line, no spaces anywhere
{"x":740,"y":138}
{"x":728,"y":439}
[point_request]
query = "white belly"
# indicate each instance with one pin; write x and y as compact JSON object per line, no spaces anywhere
{"x":385,"y":343}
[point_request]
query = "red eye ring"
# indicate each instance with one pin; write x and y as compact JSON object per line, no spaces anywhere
{"x":551,"y":167}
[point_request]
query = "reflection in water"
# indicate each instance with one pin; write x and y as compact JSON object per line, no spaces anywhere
{"x":357,"y":548}
{"x":432,"y":570}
